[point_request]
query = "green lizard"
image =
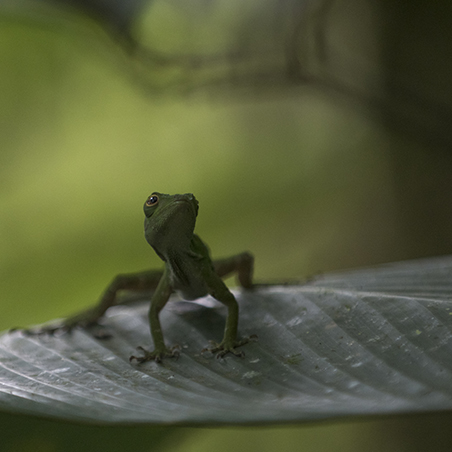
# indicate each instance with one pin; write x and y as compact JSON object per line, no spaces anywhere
{"x":169,"y":224}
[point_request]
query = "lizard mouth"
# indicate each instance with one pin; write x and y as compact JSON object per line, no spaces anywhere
{"x":191,"y":205}
{"x":179,"y":205}
{"x":192,"y":202}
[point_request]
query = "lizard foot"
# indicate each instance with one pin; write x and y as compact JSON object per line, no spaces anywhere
{"x":156,"y":355}
{"x":84,"y":319}
{"x":54,"y":329}
{"x":227,"y":346}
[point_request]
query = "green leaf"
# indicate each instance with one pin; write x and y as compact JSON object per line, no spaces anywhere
{"x":369,"y":342}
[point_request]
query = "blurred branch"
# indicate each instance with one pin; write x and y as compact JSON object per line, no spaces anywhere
{"x":117,"y":16}
{"x":262,"y":45}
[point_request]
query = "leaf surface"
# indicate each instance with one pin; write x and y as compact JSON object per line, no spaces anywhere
{"x":367,"y":342}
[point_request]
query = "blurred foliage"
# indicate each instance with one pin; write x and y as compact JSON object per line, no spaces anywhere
{"x":29,"y":434}
{"x":330,"y":152}
{"x":393,"y":434}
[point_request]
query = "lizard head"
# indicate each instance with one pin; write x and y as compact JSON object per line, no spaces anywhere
{"x":169,"y":221}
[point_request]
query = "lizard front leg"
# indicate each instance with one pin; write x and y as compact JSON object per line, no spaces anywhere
{"x":229,"y":344}
{"x":158,"y":301}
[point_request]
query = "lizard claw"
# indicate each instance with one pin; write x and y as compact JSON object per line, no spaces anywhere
{"x":226,"y":347}
{"x":240,"y":354}
{"x":156,"y":355}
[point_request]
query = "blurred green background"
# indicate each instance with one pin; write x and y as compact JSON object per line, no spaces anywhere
{"x":347,"y":168}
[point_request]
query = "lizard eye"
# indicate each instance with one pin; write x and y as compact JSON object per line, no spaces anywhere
{"x":152,"y":200}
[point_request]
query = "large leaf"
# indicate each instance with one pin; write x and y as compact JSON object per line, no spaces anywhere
{"x":368,"y":342}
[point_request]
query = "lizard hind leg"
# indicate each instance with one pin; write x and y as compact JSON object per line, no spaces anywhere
{"x":134,"y":282}
{"x":242,"y":264}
